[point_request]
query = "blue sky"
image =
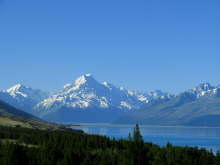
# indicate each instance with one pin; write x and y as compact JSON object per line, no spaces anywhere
{"x":144,"y":45}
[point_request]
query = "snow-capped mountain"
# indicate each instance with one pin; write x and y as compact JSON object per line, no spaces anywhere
{"x":204,"y":89}
{"x":88,"y":100}
{"x":199,"y":106}
{"x":23,"y":97}
{"x":85,"y":92}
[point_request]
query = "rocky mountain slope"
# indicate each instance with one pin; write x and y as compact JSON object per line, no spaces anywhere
{"x":87,"y":100}
{"x":199,"y":106}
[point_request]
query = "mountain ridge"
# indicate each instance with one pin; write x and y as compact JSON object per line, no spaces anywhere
{"x":192,"y":107}
{"x":87,"y":100}
{"x":86,"y":93}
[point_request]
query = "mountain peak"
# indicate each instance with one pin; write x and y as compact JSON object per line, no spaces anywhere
{"x":15,"y":88}
{"x":18,"y":89}
{"x":86,"y":78}
{"x":203,"y":87}
{"x":88,"y":75}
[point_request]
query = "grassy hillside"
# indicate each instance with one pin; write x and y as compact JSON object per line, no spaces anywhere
{"x":12,"y":117}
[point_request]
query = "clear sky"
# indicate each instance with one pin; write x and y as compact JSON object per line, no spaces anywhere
{"x":140,"y":44}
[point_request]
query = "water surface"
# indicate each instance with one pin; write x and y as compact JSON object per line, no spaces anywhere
{"x":204,"y":137}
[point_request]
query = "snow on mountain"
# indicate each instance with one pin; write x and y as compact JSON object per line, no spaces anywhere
{"x":17,"y":90}
{"x":23,"y":97}
{"x":20,"y":91}
{"x":216,"y":91}
{"x":198,"y":106}
{"x":86,"y":92}
{"x":203,"y":89}
{"x":87,"y":100}
{"x":158,"y":94}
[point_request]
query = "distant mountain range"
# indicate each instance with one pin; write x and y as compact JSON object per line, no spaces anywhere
{"x":87,"y":100}
{"x":199,"y":106}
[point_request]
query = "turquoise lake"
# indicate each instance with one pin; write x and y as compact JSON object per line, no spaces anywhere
{"x":203,"y":137}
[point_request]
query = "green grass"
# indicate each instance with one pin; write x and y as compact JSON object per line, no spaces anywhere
{"x":5,"y":121}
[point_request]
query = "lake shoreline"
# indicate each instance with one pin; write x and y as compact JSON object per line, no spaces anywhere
{"x":131,"y":125}
{"x":202,"y":137}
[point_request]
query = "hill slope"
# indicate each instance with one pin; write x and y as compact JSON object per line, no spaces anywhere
{"x":10,"y":116}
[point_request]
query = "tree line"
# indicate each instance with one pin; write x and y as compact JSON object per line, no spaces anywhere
{"x":21,"y":146}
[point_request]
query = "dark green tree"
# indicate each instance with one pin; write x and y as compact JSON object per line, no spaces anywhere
{"x":138,"y":151}
{"x":137,"y":137}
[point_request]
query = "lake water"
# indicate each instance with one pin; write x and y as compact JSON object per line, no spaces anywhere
{"x":208,"y":138}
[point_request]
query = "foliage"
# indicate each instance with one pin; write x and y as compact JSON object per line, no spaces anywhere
{"x":38,"y":147}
